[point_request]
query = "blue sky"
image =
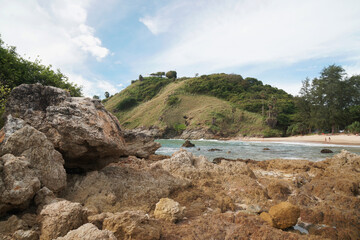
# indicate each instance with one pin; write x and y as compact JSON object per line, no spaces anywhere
{"x":103,"y":45}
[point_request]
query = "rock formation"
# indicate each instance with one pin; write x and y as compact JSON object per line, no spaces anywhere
{"x":80,"y":128}
{"x":140,"y":144}
{"x":88,"y":232}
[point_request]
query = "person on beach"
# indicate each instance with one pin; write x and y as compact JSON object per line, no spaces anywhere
{"x":329,"y":139}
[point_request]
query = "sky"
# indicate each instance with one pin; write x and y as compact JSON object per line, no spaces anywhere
{"x":102,"y":45}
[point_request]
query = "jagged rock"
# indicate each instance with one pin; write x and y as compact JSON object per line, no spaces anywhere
{"x":183,"y":164}
{"x":199,"y":133}
{"x":140,"y":144}
{"x":98,"y":219}
{"x":58,"y":218}
{"x":11,"y":126}
{"x":282,"y":215}
{"x":44,"y":197}
{"x":26,"y":235}
{"x":11,"y":225}
{"x":188,"y":144}
{"x":119,"y":187}
{"x":278,"y":190}
{"x":18,"y":183}
{"x":46,"y":162}
{"x":168,"y":210}
{"x":326,"y":151}
{"x":133,"y":225}
{"x":86,"y":134}
{"x":88,"y":232}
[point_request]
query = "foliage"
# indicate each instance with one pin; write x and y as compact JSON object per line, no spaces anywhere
{"x":107,"y":94}
{"x":147,"y":89}
{"x":141,"y":78}
{"x":296,"y":129}
{"x":354,"y":127}
{"x":96,"y":97}
{"x":15,"y":70}
{"x":158,"y":74}
{"x":329,"y":102}
{"x":171,"y":74}
{"x":179,"y":127}
{"x":172,"y":100}
{"x":271,"y":133}
{"x":126,"y":104}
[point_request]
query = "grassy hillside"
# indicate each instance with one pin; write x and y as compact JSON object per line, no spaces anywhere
{"x":173,"y":106}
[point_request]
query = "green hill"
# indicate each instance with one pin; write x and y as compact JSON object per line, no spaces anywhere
{"x":221,"y":104}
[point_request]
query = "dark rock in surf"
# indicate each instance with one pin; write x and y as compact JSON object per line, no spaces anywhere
{"x":188,"y":144}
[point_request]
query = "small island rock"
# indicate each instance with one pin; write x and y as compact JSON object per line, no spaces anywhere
{"x":188,"y":144}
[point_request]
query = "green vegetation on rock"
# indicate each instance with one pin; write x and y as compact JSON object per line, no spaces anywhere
{"x":15,"y":70}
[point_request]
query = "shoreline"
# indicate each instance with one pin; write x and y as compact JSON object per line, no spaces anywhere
{"x":337,"y":139}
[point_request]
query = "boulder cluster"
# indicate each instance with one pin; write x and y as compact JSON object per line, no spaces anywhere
{"x":68,"y":171}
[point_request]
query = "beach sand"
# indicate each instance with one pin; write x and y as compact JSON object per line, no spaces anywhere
{"x":343,"y":139}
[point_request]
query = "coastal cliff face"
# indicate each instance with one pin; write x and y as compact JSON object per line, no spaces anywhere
{"x":114,"y":189}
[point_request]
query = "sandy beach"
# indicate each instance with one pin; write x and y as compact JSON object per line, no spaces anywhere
{"x":343,"y":139}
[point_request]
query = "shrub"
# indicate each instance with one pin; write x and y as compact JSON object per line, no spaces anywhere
{"x":126,"y":104}
{"x":172,"y":100}
{"x":171,"y":74}
{"x":179,"y":127}
{"x":354,"y":127}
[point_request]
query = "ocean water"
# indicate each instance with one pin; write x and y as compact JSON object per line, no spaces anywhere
{"x":254,"y":150}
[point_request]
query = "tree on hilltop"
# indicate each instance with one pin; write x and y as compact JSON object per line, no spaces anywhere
{"x":171,"y":74}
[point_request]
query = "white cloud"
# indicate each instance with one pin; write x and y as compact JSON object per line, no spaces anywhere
{"x":207,"y":36}
{"x":56,"y":31}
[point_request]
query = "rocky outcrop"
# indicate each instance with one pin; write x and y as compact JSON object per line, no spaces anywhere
{"x":129,"y":184}
{"x":282,"y":215}
{"x":199,"y":133}
{"x":80,"y":128}
{"x":185,"y":165}
{"x":44,"y":160}
{"x":58,"y":218}
{"x":133,"y":225}
{"x":88,"y":232}
{"x":188,"y":144}
{"x":18,"y":183}
{"x":168,"y":210}
{"x":140,"y":144}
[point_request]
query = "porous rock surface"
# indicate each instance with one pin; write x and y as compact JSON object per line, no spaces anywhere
{"x":140,"y":144}
{"x":58,"y":218}
{"x":80,"y":128}
{"x":133,"y":225}
{"x":88,"y":231}
{"x":44,"y":160}
{"x":282,"y":215}
{"x":168,"y":210}
{"x":18,"y":183}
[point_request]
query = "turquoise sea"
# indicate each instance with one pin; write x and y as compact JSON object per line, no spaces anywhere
{"x":254,"y":150}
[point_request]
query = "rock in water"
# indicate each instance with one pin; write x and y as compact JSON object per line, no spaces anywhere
{"x":325,"y":150}
{"x":188,"y":144}
{"x":169,"y":210}
{"x":282,"y":215}
{"x":87,"y":135}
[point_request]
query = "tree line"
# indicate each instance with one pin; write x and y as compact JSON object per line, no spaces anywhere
{"x":328,"y":103}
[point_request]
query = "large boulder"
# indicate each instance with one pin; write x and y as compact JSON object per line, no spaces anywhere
{"x":140,"y":144}
{"x":88,"y":232}
{"x":58,"y":218}
{"x":44,"y":160}
{"x":168,"y":210}
{"x":133,"y":225}
{"x":18,"y":183}
{"x":87,"y":135}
